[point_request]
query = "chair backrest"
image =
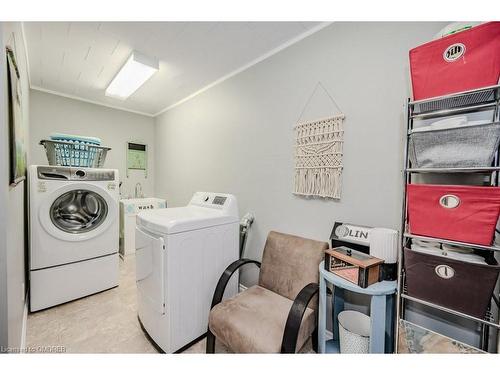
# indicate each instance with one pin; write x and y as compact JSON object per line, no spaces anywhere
{"x":289,"y":263}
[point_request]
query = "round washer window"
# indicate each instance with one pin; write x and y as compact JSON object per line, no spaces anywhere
{"x":78,"y":211}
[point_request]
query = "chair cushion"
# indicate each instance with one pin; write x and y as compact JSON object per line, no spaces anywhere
{"x":254,"y":321}
{"x":289,"y":263}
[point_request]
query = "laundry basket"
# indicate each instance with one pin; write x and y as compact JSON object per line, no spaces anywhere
{"x":354,"y":332}
{"x":74,"y":153}
{"x":464,"y":146}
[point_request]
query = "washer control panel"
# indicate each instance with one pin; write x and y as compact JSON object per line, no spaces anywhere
{"x":92,"y":174}
{"x":220,"y":201}
{"x":72,"y":173}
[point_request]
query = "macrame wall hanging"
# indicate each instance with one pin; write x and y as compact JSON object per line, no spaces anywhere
{"x":318,"y":154}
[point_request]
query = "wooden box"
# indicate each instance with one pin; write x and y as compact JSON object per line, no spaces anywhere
{"x":354,"y":266}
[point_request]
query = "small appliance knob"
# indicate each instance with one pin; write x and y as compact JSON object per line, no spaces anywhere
{"x":80,"y":173}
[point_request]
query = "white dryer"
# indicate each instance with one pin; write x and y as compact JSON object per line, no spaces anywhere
{"x":73,"y":233}
{"x":180,"y":254}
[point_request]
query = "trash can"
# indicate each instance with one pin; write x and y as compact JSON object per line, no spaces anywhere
{"x":354,"y":332}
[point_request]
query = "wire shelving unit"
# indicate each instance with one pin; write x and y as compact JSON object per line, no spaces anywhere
{"x":468,"y":102}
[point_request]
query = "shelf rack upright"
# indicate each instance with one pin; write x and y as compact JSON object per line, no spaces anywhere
{"x":473,"y":101}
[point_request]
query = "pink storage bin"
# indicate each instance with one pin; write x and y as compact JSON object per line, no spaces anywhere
{"x":457,"y":213}
{"x":459,"y":62}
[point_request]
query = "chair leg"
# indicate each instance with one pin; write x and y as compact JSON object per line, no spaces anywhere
{"x":315,"y":339}
{"x":210,"y":342}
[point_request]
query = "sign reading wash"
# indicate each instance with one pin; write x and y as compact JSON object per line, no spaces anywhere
{"x":353,"y":236}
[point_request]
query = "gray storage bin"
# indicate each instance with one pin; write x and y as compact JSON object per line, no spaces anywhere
{"x":465,"y":146}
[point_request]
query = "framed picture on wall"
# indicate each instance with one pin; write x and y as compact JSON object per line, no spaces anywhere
{"x":137,"y":157}
{"x":17,"y":133}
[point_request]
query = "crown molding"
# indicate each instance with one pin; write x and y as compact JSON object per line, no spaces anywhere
{"x":259,"y":59}
{"x":74,"y":97}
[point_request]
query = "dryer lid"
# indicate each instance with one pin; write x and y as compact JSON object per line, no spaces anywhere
{"x":182,"y":219}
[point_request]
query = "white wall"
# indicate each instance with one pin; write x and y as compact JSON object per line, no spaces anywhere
{"x":3,"y":203}
{"x":12,"y":203}
{"x":52,"y":113}
{"x":237,"y":137}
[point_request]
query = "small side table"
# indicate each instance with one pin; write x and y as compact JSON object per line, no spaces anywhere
{"x":381,"y":312}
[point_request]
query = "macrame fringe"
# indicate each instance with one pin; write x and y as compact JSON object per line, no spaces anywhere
{"x":318,"y":157}
{"x":322,"y":182}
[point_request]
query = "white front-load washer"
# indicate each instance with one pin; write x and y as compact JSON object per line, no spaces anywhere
{"x":74,"y":233}
{"x":180,"y":254}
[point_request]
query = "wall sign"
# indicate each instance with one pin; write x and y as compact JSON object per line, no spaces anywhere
{"x":137,"y":157}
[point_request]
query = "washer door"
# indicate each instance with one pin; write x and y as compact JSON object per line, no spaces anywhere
{"x":78,"y":212}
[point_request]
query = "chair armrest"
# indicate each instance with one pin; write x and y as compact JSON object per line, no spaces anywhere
{"x":292,"y":326}
{"x":226,"y":275}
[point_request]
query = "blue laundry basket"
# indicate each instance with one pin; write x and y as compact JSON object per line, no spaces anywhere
{"x":75,"y":153}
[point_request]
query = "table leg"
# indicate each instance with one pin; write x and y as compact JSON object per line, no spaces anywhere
{"x":378,"y":324}
{"x":389,"y":323}
{"x":322,"y":315}
{"x":338,"y":306}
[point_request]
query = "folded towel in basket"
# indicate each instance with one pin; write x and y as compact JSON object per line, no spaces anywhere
{"x":75,"y":138}
{"x":464,"y":257}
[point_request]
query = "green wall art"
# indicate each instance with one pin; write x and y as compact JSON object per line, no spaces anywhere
{"x":16,"y":122}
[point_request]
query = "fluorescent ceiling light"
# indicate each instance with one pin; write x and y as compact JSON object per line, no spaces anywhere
{"x":133,"y":74}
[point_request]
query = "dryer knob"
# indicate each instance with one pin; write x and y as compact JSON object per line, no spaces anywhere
{"x":80,"y":173}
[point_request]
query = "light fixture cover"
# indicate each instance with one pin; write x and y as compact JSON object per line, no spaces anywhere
{"x":132,"y":75}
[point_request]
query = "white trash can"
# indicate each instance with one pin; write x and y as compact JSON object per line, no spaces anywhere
{"x":354,"y":332}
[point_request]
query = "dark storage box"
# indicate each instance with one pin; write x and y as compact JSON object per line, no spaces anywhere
{"x":462,"y":286}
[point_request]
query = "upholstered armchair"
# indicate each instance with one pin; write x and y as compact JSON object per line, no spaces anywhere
{"x":279,"y":314}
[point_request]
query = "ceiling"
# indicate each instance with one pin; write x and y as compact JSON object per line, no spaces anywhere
{"x":79,"y":59}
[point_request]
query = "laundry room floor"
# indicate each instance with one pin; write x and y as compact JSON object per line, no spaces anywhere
{"x":105,"y":322}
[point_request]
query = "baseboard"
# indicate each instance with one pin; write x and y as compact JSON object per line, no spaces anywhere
{"x":25,"y":324}
{"x":242,"y":288}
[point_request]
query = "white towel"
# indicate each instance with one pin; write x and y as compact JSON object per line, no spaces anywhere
{"x":469,"y":258}
{"x":449,"y":123}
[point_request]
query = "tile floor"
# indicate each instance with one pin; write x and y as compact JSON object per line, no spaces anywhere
{"x":105,"y":322}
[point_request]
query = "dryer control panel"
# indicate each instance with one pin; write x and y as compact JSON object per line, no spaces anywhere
{"x":220,"y":201}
